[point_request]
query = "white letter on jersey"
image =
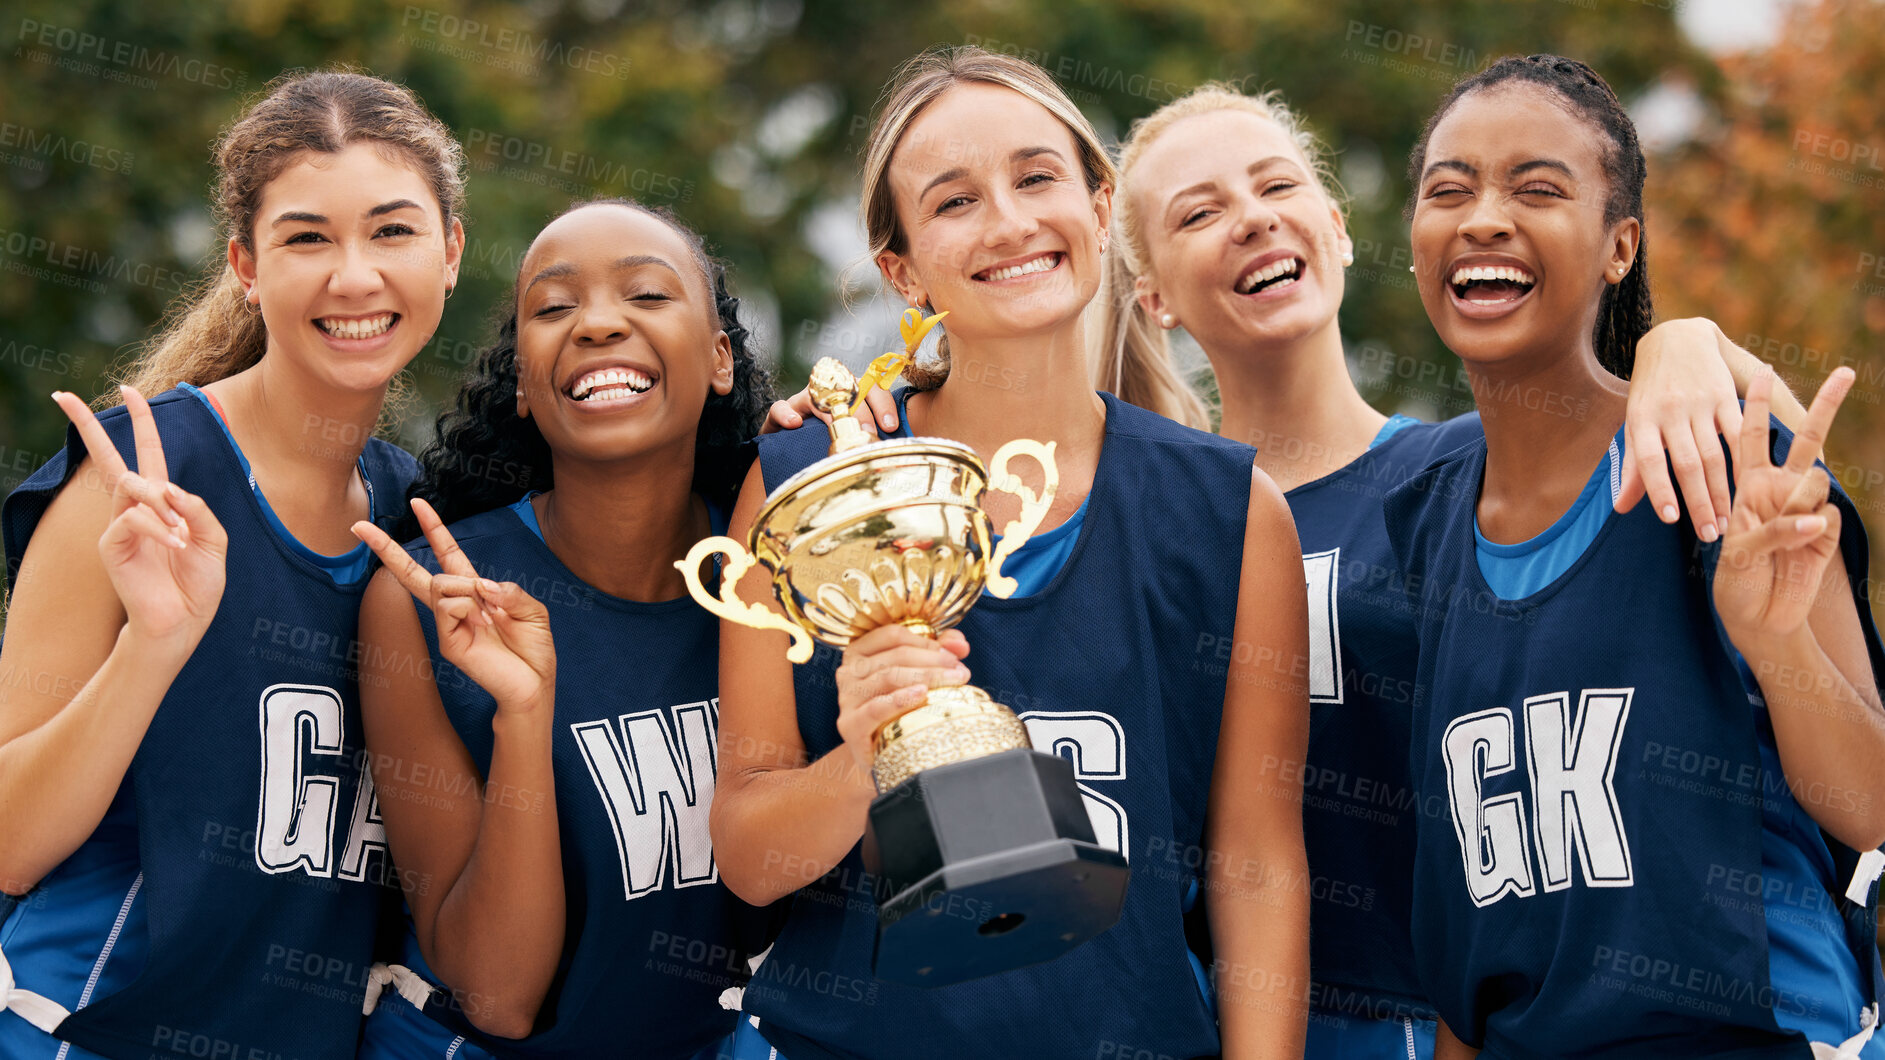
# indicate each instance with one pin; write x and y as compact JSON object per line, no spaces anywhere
{"x":1323,"y":570}
{"x":1573,"y":798}
{"x":366,"y":833}
{"x":1491,"y":831}
{"x":294,"y":826}
{"x":657,"y":783}
{"x":1096,"y":745}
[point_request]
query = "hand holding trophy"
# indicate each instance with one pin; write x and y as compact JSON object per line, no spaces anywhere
{"x":984,"y":842}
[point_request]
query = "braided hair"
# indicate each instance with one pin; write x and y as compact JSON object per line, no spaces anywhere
{"x":485,"y":455}
{"x":1623,"y":316}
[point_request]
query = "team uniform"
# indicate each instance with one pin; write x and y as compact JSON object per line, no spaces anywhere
{"x":1358,"y":805}
{"x":1110,"y":663}
{"x":1618,"y":868}
{"x":653,"y":937}
{"x":226,"y":904}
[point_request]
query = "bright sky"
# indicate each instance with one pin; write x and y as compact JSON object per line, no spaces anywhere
{"x":1730,"y":25}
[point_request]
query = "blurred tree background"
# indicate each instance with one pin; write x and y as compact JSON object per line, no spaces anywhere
{"x":747,"y":116}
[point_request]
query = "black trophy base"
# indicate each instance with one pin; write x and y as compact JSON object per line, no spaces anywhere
{"x":994,"y":867}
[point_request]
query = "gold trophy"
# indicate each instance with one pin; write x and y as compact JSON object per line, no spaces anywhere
{"x":985,"y":842}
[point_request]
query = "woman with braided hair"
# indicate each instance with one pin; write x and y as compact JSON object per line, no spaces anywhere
{"x":545,"y":769}
{"x":1620,"y":729}
{"x":1229,"y":223}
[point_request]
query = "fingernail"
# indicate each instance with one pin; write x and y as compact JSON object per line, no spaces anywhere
{"x":948,"y":657}
{"x":177,"y":541}
{"x":890,"y":421}
{"x":1669,"y":513}
{"x":174,"y":491}
{"x":1719,"y":529}
{"x":1708,"y":533}
{"x":488,"y":585}
{"x":1811,"y":524}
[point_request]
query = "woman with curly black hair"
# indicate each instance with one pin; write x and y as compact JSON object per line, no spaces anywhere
{"x":552,"y":836}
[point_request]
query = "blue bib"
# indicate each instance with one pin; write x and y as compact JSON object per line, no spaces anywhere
{"x":1592,"y":757}
{"x":653,"y":936}
{"x":1115,"y":664}
{"x":1359,"y":808}
{"x":258,"y":838}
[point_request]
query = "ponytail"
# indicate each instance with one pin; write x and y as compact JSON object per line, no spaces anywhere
{"x":1624,"y":315}
{"x":211,"y":334}
{"x":1132,"y":356}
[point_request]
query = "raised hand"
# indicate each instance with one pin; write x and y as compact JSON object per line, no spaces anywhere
{"x":164,"y":550}
{"x":1782,"y":530}
{"x":495,"y":632}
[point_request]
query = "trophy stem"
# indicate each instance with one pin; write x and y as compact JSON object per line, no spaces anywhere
{"x":952,"y":725}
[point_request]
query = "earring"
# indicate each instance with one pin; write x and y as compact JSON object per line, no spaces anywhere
{"x":253,"y":306}
{"x":449,"y":290}
{"x":1410,"y":268}
{"x":1168,"y":321}
{"x":1348,"y":258}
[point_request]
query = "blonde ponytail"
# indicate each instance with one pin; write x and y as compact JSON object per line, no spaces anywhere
{"x":1131,"y":355}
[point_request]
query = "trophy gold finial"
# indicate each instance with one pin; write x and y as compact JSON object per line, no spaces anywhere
{"x":836,"y":393}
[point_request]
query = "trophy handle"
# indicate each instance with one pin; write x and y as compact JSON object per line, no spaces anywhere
{"x":1033,"y":505}
{"x":728,"y":604}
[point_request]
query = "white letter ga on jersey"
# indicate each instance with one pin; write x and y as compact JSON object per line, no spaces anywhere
{"x":294,"y":827}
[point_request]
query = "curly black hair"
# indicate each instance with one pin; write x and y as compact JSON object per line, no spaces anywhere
{"x":1624,"y":316}
{"x":485,"y":455}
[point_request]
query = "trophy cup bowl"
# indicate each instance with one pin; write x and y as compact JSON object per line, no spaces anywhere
{"x":985,"y":842}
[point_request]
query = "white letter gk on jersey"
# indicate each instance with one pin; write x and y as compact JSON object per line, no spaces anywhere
{"x":1571,"y":763}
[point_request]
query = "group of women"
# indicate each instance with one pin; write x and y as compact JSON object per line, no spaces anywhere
{"x":236,"y":742}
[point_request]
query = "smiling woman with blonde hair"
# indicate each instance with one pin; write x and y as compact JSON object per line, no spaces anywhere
{"x":987,"y":195}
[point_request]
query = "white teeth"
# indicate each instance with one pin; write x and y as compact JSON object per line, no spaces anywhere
{"x":1492,"y":272}
{"x":364,"y":328}
{"x":1040,"y":264}
{"x":609,"y":380}
{"x":1285,"y":267}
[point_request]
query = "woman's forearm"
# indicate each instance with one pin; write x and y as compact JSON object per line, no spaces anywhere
{"x":1259,"y":913}
{"x":498,"y":935}
{"x":1830,"y":735}
{"x":58,"y":779}
{"x":777,"y":829}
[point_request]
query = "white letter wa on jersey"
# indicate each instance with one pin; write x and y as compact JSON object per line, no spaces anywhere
{"x":656,"y":779}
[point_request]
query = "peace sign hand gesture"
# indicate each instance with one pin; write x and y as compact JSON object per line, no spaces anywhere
{"x":164,"y":549}
{"x":1782,"y":530}
{"x":495,"y":632}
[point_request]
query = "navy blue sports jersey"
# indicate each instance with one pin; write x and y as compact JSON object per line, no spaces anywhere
{"x":1358,"y":805}
{"x":1114,"y":665}
{"x":653,"y":936}
{"x":1597,"y":754}
{"x":257,"y":835}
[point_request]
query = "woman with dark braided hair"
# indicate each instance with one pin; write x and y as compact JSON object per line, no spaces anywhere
{"x":1229,"y":223}
{"x":1654,"y":765}
{"x":552,"y":834}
